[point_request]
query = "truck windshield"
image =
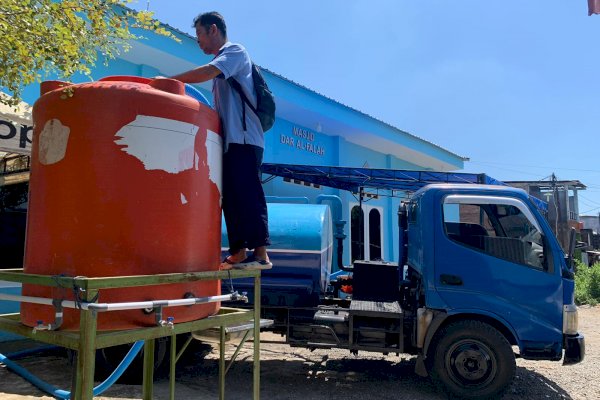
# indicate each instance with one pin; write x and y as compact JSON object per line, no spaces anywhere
{"x":500,"y":228}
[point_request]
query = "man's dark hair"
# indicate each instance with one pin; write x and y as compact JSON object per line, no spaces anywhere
{"x":209,"y":18}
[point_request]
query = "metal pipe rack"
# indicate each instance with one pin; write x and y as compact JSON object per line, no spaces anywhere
{"x":87,"y":340}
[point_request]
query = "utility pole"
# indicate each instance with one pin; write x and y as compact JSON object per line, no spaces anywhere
{"x":560,"y":232}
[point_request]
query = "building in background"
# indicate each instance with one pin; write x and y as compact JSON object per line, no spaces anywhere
{"x":591,"y":222}
{"x":563,"y":204}
{"x":590,"y":234}
{"x":15,"y":146}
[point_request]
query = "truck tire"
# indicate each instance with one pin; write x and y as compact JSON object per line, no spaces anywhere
{"x":471,"y":359}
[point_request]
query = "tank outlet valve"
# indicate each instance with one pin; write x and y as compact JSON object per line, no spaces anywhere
{"x":235,"y":296}
{"x":169,"y":323}
{"x":39,"y":326}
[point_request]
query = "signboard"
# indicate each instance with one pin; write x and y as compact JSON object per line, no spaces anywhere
{"x":15,"y":137}
{"x":16,"y":128}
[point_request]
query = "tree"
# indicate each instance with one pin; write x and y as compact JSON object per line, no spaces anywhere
{"x":63,"y":37}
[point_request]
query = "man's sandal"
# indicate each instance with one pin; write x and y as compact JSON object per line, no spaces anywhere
{"x":253,"y":263}
{"x":227,"y":263}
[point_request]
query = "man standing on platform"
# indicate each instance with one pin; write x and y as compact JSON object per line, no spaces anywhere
{"x":244,"y":204}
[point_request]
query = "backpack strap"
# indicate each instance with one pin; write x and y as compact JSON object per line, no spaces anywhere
{"x":238,"y":88}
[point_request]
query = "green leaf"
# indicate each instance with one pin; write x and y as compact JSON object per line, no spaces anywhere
{"x":43,"y":37}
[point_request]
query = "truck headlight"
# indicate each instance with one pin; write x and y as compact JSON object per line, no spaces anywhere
{"x":570,"y":319}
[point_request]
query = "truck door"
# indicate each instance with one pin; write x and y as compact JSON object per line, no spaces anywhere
{"x":491,"y":257}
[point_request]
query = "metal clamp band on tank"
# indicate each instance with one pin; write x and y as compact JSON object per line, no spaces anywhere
{"x":125,"y":180}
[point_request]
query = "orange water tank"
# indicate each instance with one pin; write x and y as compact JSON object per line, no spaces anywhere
{"x":125,"y":180}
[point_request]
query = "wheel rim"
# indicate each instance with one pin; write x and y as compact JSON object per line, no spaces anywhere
{"x":471,"y":363}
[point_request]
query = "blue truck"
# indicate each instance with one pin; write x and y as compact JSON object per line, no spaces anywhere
{"x":480,"y":274}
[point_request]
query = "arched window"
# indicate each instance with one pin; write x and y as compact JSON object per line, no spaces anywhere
{"x":374,"y":234}
{"x":366,"y":236}
{"x":357,"y":234}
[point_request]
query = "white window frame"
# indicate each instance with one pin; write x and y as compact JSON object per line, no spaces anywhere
{"x":507,"y":201}
{"x":367,"y":243}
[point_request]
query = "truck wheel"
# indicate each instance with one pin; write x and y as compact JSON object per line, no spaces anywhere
{"x":471,"y":359}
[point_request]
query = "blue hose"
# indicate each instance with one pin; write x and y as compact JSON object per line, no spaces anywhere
{"x":27,"y":352}
{"x":196,"y":94}
{"x":63,"y":394}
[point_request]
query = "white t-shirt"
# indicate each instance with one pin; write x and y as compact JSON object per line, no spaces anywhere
{"x":233,"y":61}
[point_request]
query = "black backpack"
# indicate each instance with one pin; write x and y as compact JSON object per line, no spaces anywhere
{"x":265,"y":102}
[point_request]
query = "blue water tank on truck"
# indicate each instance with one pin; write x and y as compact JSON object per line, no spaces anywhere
{"x":302,"y":250}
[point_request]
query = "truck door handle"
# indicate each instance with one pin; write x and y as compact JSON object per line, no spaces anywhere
{"x":451,"y":280}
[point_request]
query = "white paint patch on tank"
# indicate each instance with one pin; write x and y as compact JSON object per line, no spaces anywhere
{"x":183,"y":199}
{"x":53,"y":142}
{"x":159,"y":143}
{"x":214,"y":152}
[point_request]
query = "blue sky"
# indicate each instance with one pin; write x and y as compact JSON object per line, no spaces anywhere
{"x":514,"y":84}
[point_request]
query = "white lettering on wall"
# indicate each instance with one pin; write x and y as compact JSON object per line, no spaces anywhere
{"x":302,"y":140}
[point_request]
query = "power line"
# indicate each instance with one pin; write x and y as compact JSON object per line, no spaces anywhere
{"x":587,"y":211}
{"x":520,"y":172}
{"x":590,"y":200}
{"x":587,"y":205}
{"x":588,"y":186}
{"x":535,"y":166}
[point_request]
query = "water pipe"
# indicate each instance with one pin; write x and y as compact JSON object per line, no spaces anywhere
{"x":336,"y":207}
{"x":136,"y":305}
{"x":133,"y":305}
{"x":64,"y":394}
{"x":156,"y":305}
{"x":27,"y":352}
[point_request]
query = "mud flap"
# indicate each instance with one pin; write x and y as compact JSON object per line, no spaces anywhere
{"x":420,"y":368}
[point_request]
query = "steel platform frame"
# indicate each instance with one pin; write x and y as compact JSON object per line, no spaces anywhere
{"x":87,"y":340}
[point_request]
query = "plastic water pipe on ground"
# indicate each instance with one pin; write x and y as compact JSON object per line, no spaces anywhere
{"x":64,"y":394}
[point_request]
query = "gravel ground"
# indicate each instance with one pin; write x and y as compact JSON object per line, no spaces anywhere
{"x":298,"y":374}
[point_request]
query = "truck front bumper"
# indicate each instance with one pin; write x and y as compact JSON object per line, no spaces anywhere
{"x":574,"y":349}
